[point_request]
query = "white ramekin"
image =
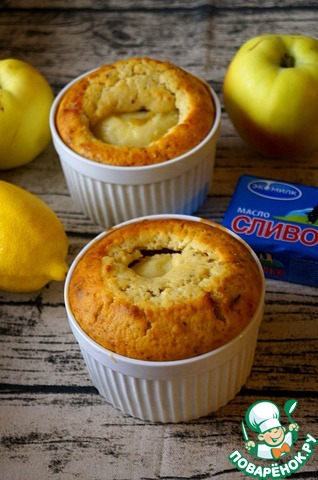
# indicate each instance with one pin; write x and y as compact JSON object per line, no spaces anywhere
{"x":109,"y":195}
{"x":172,"y":391}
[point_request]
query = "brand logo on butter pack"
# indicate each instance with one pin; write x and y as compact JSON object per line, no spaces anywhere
{"x":266,"y":438}
{"x":274,"y":190}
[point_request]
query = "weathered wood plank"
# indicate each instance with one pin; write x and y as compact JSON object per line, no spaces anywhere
{"x":238,"y":5}
{"x":95,"y":441}
{"x":76,"y":42}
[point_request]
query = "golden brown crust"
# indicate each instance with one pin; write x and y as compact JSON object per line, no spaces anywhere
{"x":202,"y":302}
{"x":128,"y":86}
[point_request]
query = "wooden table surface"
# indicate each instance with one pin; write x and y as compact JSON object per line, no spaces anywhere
{"x":54,"y":424}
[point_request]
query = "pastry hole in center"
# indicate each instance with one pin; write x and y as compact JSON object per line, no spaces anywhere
{"x":154,"y":263}
{"x":135,"y":129}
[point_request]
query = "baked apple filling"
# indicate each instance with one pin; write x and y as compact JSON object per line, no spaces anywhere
{"x":135,"y":129}
{"x":156,"y":264}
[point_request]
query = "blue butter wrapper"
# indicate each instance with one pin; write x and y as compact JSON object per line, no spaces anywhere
{"x":279,"y":221}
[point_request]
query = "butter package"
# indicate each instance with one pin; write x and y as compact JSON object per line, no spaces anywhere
{"x":279,"y":221}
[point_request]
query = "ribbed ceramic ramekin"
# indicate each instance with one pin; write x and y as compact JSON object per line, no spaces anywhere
{"x":110,"y":194}
{"x":173,"y":391}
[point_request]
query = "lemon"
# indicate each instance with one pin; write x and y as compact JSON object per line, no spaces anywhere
{"x":33,"y":243}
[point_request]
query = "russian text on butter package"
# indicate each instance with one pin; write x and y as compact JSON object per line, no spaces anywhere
{"x":279,"y":221}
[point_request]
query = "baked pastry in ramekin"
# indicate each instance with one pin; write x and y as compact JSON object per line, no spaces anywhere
{"x":165,"y":289}
{"x":134,"y":112}
{"x":111,"y":192}
{"x":166,"y":310}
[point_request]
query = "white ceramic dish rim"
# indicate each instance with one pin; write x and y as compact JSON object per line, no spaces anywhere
{"x":119,"y":361}
{"x":134,"y":171}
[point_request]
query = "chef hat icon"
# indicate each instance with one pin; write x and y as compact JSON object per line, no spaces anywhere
{"x":263,"y":416}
